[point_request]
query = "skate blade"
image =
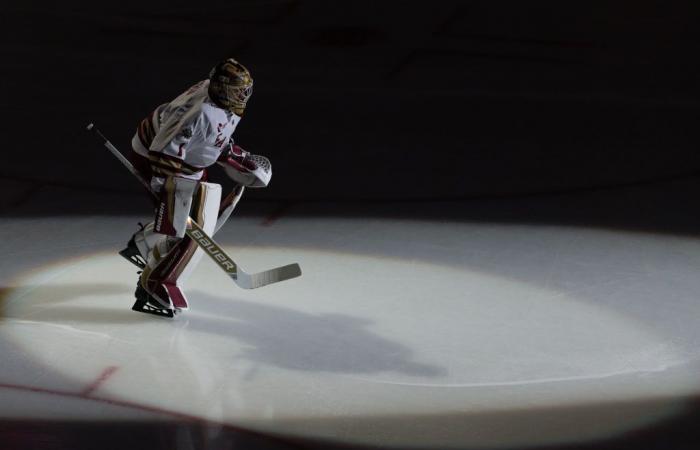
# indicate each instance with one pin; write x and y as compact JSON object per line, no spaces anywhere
{"x":133,"y":259}
{"x":148,"y":309}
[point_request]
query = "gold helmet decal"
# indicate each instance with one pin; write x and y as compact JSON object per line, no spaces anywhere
{"x":230,"y":85}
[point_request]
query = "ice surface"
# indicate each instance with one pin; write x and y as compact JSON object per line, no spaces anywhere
{"x":405,"y":333}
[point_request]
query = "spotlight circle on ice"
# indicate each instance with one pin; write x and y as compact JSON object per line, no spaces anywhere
{"x":397,"y":344}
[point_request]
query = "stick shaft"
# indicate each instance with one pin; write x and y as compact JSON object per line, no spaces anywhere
{"x":126,"y":163}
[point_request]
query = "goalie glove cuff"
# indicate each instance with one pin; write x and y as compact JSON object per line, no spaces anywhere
{"x":245,"y":168}
{"x":239,"y":156}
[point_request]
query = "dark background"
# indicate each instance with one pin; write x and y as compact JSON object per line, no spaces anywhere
{"x":367,"y":99}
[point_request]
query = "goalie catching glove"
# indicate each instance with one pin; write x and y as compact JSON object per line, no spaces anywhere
{"x":245,"y":168}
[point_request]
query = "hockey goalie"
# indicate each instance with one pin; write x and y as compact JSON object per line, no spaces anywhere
{"x":173,"y":147}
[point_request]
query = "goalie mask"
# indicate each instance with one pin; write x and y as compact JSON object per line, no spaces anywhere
{"x":230,"y":86}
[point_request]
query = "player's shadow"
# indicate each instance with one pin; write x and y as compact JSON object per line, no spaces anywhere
{"x":271,"y":335}
{"x":298,"y":340}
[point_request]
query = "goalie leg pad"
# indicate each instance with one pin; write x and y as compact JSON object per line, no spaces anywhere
{"x":141,"y":245}
{"x":175,"y":202}
{"x":146,"y":240}
{"x":173,"y":260}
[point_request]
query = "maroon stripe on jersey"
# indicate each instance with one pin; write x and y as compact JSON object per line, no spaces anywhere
{"x":175,"y":159}
{"x":141,"y":164}
{"x":142,"y":138}
{"x":145,"y":135}
{"x":168,"y":165}
{"x":166,"y":170}
{"x":147,"y":131}
{"x":150,"y":125}
{"x":152,"y":120}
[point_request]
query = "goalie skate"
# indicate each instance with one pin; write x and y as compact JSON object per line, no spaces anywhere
{"x":148,"y":304}
{"x":131,"y":253}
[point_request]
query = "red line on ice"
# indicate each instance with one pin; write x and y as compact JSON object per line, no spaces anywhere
{"x":81,"y":395}
{"x":98,"y":382}
{"x":154,"y":409}
{"x":275,"y":215}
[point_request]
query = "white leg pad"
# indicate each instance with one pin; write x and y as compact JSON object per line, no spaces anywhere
{"x":209,"y":207}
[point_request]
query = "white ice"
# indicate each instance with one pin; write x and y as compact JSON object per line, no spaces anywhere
{"x":400,"y":332}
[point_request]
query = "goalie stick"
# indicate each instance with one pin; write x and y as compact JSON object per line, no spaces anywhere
{"x":210,"y":247}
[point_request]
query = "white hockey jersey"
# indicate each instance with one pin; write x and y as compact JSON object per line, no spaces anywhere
{"x":184,"y":136}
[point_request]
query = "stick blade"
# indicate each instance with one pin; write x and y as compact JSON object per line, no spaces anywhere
{"x":260,"y":279}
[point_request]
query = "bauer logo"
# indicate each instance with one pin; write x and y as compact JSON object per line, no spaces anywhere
{"x":213,"y":250}
{"x":161,"y":212}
